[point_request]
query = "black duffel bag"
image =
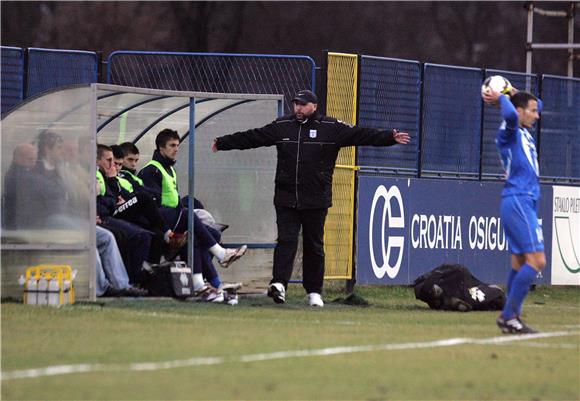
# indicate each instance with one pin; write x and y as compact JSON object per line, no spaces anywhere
{"x":453,"y":287}
{"x":170,"y":279}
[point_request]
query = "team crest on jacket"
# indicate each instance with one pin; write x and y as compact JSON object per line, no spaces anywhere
{"x":313,"y":133}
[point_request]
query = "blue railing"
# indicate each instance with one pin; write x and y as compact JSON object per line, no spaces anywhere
{"x":452,"y":131}
{"x":52,"y":68}
{"x":12,"y":77}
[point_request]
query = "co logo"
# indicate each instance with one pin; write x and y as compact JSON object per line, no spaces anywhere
{"x":392,"y":242}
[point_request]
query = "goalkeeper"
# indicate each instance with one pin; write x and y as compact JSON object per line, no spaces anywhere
{"x":519,"y":204}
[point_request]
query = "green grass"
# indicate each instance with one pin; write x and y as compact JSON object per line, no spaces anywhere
{"x":128,"y":331}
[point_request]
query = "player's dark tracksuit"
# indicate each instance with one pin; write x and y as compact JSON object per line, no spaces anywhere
{"x":307,"y":152}
{"x":137,"y":183}
{"x":177,"y":217}
{"x":139,"y":219}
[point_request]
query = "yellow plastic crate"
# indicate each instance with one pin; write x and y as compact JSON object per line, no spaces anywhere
{"x":49,"y":285}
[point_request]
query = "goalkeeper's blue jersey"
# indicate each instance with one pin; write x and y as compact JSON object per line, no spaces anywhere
{"x":518,"y":154}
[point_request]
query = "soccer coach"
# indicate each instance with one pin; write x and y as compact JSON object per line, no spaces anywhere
{"x":307,"y":144}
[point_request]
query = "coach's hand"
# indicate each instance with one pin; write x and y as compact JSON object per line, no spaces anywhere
{"x":214,"y":146}
{"x":401,"y":137}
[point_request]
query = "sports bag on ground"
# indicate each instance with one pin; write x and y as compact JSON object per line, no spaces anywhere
{"x":453,"y":287}
{"x":170,"y":279}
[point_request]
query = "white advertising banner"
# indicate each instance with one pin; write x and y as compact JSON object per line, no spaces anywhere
{"x":566,"y":236}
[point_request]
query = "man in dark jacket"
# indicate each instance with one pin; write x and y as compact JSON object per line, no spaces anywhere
{"x":22,"y":186}
{"x":307,"y":144}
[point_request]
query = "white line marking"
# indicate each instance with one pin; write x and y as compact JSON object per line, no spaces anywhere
{"x":241,"y":319}
{"x":534,"y":344}
{"x":200,"y":361}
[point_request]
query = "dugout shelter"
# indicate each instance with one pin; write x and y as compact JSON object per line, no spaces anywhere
{"x":235,"y":186}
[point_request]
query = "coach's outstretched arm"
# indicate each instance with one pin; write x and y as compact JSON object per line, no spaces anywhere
{"x":348,"y":135}
{"x":250,"y":139}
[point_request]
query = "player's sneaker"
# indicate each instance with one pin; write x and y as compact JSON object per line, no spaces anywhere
{"x":209,"y":294}
{"x":231,"y":287}
{"x":277,"y":292}
{"x":231,"y":298}
{"x":514,"y":326}
{"x":230,"y":291}
{"x":314,"y":299}
{"x":232,"y":255}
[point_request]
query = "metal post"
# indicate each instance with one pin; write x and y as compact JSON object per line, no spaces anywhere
{"x":191,"y":189}
{"x":571,"y":16}
{"x":92,"y":261}
{"x":529,"y":38}
{"x":570,"y":45}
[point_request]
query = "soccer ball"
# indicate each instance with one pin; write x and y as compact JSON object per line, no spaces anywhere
{"x":496,"y":83}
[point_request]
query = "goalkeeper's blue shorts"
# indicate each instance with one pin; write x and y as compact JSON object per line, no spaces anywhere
{"x":523,"y":229}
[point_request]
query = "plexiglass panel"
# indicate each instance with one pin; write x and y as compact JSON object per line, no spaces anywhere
{"x":46,"y":185}
{"x":236,"y":186}
{"x":48,"y":158}
{"x":123,"y":117}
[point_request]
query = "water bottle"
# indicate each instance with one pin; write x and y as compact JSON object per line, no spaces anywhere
{"x":42,"y":298}
{"x":66,"y":289}
{"x":32,"y":291}
{"x":53,"y":292}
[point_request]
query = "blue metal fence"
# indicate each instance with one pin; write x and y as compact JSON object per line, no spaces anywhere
{"x":559,"y":145}
{"x":50,"y":68}
{"x":451,"y":120}
{"x":490,"y":164}
{"x":390,"y":97}
{"x":214,"y":72}
{"x":439,"y":106}
{"x":12,"y":77}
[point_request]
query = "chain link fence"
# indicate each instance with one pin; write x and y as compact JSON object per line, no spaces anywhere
{"x":12,"y":77}
{"x":451,"y":121}
{"x":559,"y":144}
{"x":216,"y":73}
{"x":390,"y":97}
{"x":50,"y":69}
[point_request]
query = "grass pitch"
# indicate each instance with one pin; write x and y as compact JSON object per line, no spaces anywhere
{"x":394,"y":349}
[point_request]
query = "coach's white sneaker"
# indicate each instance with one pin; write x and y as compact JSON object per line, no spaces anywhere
{"x":314,"y":299}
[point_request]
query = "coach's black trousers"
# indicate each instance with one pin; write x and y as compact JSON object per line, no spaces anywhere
{"x":289,"y":222}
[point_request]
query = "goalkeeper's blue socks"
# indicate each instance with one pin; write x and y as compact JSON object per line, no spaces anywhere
{"x":510,"y":280}
{"x":519,"y":288}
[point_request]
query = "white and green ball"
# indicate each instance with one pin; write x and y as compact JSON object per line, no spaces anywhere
{"x":496,"y":83}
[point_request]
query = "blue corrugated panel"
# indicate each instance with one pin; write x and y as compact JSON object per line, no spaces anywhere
{"x":214,"y":72}
{"x":12,"y":77}
{"x":560,"y":128}
{"x":389,"y":97}
{"x":49,"y":69}
{"x":451,"y":120}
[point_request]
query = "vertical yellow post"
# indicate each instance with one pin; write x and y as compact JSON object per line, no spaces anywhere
{"x":341,"y":103}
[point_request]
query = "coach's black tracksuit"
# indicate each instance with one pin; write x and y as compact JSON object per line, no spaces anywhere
{"x":307,"y":152}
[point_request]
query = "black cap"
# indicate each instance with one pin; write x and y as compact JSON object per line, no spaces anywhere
{"x":305,"y":96}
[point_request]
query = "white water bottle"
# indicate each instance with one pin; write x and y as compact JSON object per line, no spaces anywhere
{"x":42,"y":298}
{"x":66,"y":290}
{"x":32,"y":291}
{"x":53,"y":292}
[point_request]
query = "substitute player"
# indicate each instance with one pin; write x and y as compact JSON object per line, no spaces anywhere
{"x":519,"y":201}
